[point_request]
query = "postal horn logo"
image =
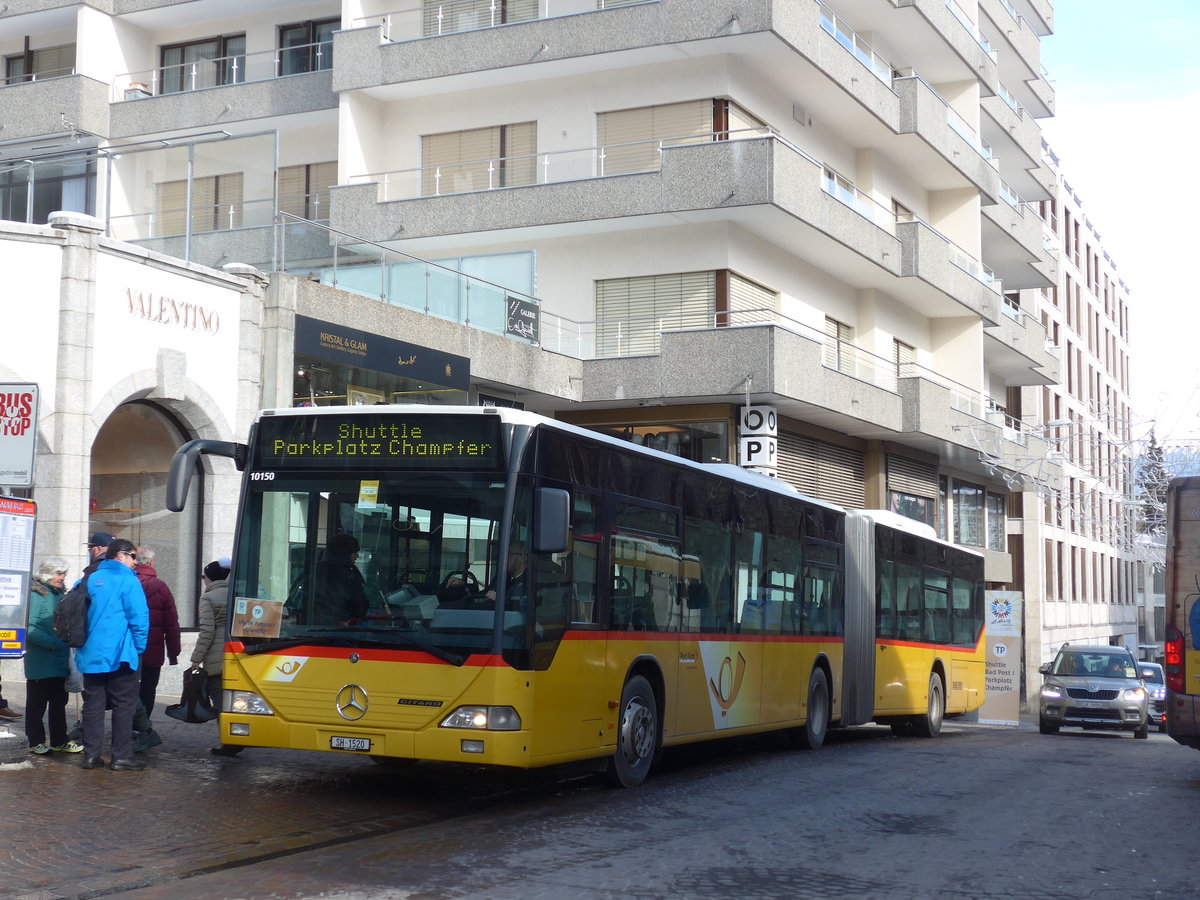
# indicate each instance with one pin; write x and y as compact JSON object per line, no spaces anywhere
{"x":729,"y":682}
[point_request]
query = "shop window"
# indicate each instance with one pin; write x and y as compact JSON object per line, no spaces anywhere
{"x":996,"y":518}
{"x":968,"y":514}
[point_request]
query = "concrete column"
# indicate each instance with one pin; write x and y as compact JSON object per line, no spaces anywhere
{"x":63,"y":487}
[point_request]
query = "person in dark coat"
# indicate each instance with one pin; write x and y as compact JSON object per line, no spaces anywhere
{"x":341,"y":593}
{"x":46,"y":664}
{"x":163,"y":642}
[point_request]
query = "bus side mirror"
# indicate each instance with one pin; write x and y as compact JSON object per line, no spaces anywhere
{"x":551,"y":519}
{"x":183,"y":463}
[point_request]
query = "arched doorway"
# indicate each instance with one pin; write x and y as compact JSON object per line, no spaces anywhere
{"x":130,"y":459}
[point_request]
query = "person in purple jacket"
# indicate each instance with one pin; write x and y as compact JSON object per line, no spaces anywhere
{"x":163,"y":643}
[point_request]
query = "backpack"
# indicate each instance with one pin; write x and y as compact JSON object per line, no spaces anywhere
{"x":71,"y":615}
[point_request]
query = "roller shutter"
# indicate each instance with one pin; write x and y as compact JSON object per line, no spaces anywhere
{"x":822,"y":470}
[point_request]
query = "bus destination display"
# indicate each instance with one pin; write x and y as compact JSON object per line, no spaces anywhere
{"x":380,"y":440}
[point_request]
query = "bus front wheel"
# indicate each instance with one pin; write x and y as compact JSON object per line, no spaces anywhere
{"x":930,"y":724}
{"x":637,"y":734}
{"x":812,"y":735}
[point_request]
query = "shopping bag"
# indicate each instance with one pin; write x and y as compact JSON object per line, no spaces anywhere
{"x":194,"y":705}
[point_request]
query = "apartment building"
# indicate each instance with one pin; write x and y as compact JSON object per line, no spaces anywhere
{"x":1081,"y":542}
{"x":640,"y":217}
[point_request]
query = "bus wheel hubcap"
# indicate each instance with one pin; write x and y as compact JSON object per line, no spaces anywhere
{"x":637,"y":732}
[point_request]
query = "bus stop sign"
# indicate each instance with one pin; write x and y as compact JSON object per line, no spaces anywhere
{"x":18,"y":433}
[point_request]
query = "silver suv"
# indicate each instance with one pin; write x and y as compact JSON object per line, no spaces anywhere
{"x":1094,"y":688}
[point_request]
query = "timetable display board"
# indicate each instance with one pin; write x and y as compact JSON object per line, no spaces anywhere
{"x":18,"y":519}
{"x":380,"y":440}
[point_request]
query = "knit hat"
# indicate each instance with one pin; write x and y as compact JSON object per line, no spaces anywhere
{"x":215,"y":571}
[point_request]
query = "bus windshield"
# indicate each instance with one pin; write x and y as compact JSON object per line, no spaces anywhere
{"x":398,"y":560}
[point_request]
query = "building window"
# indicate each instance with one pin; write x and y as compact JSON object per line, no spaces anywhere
{"x":201,"y":64}
{"x":943,"y":523}
{"x":968,"y":514}
{"x":631,"y":140}
{"x":441,"y":17}
{"x":839,"y":345}
{"x":307,"y":46}
{"x":479,"y":159}
{"x":912,"y":506}
{"x":631,"y":312}
{"x":66,"y":185}
{"x":216,"y":205}
{"x":304,"y":190}
{"x":995,"y":522}
{"x":905,"y":357}
{"x":48,"y":62}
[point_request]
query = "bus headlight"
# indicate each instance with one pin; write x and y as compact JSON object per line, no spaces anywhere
{"x":484,"y":718}
{"x":247,"y":703}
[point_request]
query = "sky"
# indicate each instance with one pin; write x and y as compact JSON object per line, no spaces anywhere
{"x":1126,"y":132}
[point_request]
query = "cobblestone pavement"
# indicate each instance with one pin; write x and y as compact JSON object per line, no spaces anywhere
{"x":979,"y":814}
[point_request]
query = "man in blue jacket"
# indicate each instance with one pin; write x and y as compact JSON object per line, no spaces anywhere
{"x":118,"y":625}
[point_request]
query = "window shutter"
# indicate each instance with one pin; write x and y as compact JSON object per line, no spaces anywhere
{"x":171,"y":208}
{"x":631,"y":311}
{"x":909,"y":476}
{"x":822,"y":470}
{"x":292,"y":187}
{"x":458,"y":161}
{"x":905,"y":357}
{"x":321,"y":177}
{"x":630,"y":137}
{"x":520,"y":147}
{"x":750,"y":302}
{"x":54,"y":60}
{"x":838,"y":340}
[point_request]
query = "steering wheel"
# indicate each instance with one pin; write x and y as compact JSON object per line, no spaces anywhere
{"x":470,"y":582}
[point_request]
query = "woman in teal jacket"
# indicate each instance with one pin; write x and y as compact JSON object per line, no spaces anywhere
{"x":46,"y":663}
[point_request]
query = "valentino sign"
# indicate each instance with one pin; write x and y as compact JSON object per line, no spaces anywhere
{"x":169,"y":311}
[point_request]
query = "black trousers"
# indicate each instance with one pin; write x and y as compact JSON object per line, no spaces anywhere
{"x":119,"y":688}
{"x":149,"y":687}
{"x":46,"y":697}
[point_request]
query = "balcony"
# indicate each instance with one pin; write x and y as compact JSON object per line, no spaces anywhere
{"x":963,"y":37}
{"x":223,"y":89}
{"x":1011,"y":242}
{"x":925,"y":113}
{"x":761,"y":181}
{"x":54,"y":102}
{"x":1016,"y":350}
{"x":934,"y":260}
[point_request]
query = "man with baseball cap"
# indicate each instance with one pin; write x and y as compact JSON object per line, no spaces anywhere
{"x":97,"y":546}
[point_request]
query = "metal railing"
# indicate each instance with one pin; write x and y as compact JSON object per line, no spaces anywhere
{"x":456,"y":16}
{"x":861,"y":50}
{"x":972,"y":29}
{"x":579,"y":164}
{"x":241,"y":68}
{"x":46,"y":75}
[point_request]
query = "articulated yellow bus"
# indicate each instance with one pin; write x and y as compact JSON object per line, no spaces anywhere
{"x":489,"y":586}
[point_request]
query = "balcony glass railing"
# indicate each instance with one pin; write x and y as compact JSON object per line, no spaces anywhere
{"x":221,"y":71}
{"x":968,"y":133}
{"x":861,"y":50}
{"x":973,"y":267}
{"x":972,"y":29}
{"x":1009,"y":99}
{"x":632,"y":158}
{"x":38,"y":76}
{"x":455,"y":16}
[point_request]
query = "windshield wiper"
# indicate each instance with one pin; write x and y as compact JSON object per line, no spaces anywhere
{"x":340,"y":637}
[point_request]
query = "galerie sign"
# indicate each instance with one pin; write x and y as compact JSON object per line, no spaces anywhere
{"x":18,"y":433}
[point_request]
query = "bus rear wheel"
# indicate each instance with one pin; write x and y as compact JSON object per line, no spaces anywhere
{"x":637,"y":734}
{"x":812,"y":735}
{"x":930,"y":724}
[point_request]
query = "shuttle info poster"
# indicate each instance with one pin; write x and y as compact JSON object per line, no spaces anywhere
{"x":1002,"y":702}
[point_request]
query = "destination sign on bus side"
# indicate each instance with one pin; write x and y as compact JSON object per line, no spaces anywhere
{"x":382,"y":440}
